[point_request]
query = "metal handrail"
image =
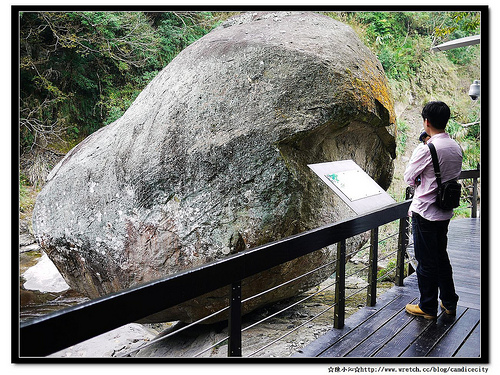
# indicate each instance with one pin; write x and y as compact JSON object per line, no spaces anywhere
{"x":43,"y":335}
{"x":475,"y":174}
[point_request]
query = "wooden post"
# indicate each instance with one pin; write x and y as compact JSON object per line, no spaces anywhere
{"x":474,"y":196}
{"x":234,"y":344}
{"x":339,"y":311}
{"x":371,"y":297}
{"x":404,"y":224}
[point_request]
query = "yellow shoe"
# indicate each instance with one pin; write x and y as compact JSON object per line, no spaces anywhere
{"x":415,"y":310}
{"x":448,"y":312}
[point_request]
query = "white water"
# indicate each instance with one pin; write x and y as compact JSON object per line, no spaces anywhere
{"x":44,"y":277}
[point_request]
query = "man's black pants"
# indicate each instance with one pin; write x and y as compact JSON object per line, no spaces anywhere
{"x":434,"y":273}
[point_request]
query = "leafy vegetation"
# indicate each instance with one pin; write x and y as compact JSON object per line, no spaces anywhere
{"x":402,"y":136}
{"x":27,"y":196}
{"x":387,"y":273}
{"x":402,"y":40}
{"x":82,"y":70}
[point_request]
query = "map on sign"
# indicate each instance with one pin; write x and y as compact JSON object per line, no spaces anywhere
{"x":354,"y":184}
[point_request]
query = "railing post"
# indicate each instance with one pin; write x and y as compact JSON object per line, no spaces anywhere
{"x":404,"y":224}
{"x":234,"y":344}
{"x":339,"y":311}
{"x":474,"y":196}
{"x":371,"y":297}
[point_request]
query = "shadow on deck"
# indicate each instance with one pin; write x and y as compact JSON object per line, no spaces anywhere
{"x":386,"y":330}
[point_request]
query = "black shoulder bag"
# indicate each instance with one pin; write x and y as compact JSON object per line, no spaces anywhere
{"x":448,"y":196}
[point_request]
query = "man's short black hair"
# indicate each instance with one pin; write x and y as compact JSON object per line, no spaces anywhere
{"x":437,"y":113}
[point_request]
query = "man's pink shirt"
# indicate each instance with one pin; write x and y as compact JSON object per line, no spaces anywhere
{"x":450,"y":164}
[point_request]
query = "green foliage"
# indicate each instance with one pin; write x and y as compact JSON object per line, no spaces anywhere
{"x":395,"y":38}
{"x":468,"y":138}
{"x":23,"y":182}
{"x":82,"y":70}
{"x":178,"y":32}
{"x":26,"y":195}
{"x":464,"y":210}
{"x":401,"y":40}
{"x":387,"y":273}
{"x":402,"y":136}
{"x":466,"y":22}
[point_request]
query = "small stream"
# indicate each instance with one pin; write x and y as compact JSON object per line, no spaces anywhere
{"x":35,"y":299}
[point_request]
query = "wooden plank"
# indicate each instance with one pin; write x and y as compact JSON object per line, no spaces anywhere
{"x":433,"y":333}
{"x":470,"y":275}
{"x":454,"y":338}
{"x":469,"y":299}
{"x":467,"y":275}
{"x":318,"y":346}
{"x":464,"y":264}
{"x":464,"y":247}
{"x":470,"y":304}
{"x":470,"y":257}
{"x":473,"y":286}
{"x":363,"y":331}
{"x":463,"y":257}
{"x":464,"y":260}
{"x":404,"y":338}
{"x":382,"y":335}
{"x":467,"y":272}
{"x":468,"y":287}
{"x":467,"y":258}
{"x":323,"y":342}
{"x":472,"y":346}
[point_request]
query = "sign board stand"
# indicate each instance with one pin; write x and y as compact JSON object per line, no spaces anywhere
{"x":358,"y":190}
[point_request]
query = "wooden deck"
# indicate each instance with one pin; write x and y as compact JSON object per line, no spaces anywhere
{"x":386,"y":330}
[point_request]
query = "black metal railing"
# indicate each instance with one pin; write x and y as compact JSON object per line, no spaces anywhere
{"x":473,"y":174}
{"x":50,"y":333}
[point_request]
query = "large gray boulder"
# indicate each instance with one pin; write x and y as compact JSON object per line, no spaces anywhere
{"x":211,"y":159}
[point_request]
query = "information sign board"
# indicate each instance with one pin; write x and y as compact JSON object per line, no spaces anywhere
{"x":353,"y":185}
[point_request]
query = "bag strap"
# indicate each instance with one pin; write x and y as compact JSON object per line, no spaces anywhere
{"x":435,"y":162}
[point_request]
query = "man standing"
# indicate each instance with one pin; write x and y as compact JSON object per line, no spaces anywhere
{"x":429,"y":222}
